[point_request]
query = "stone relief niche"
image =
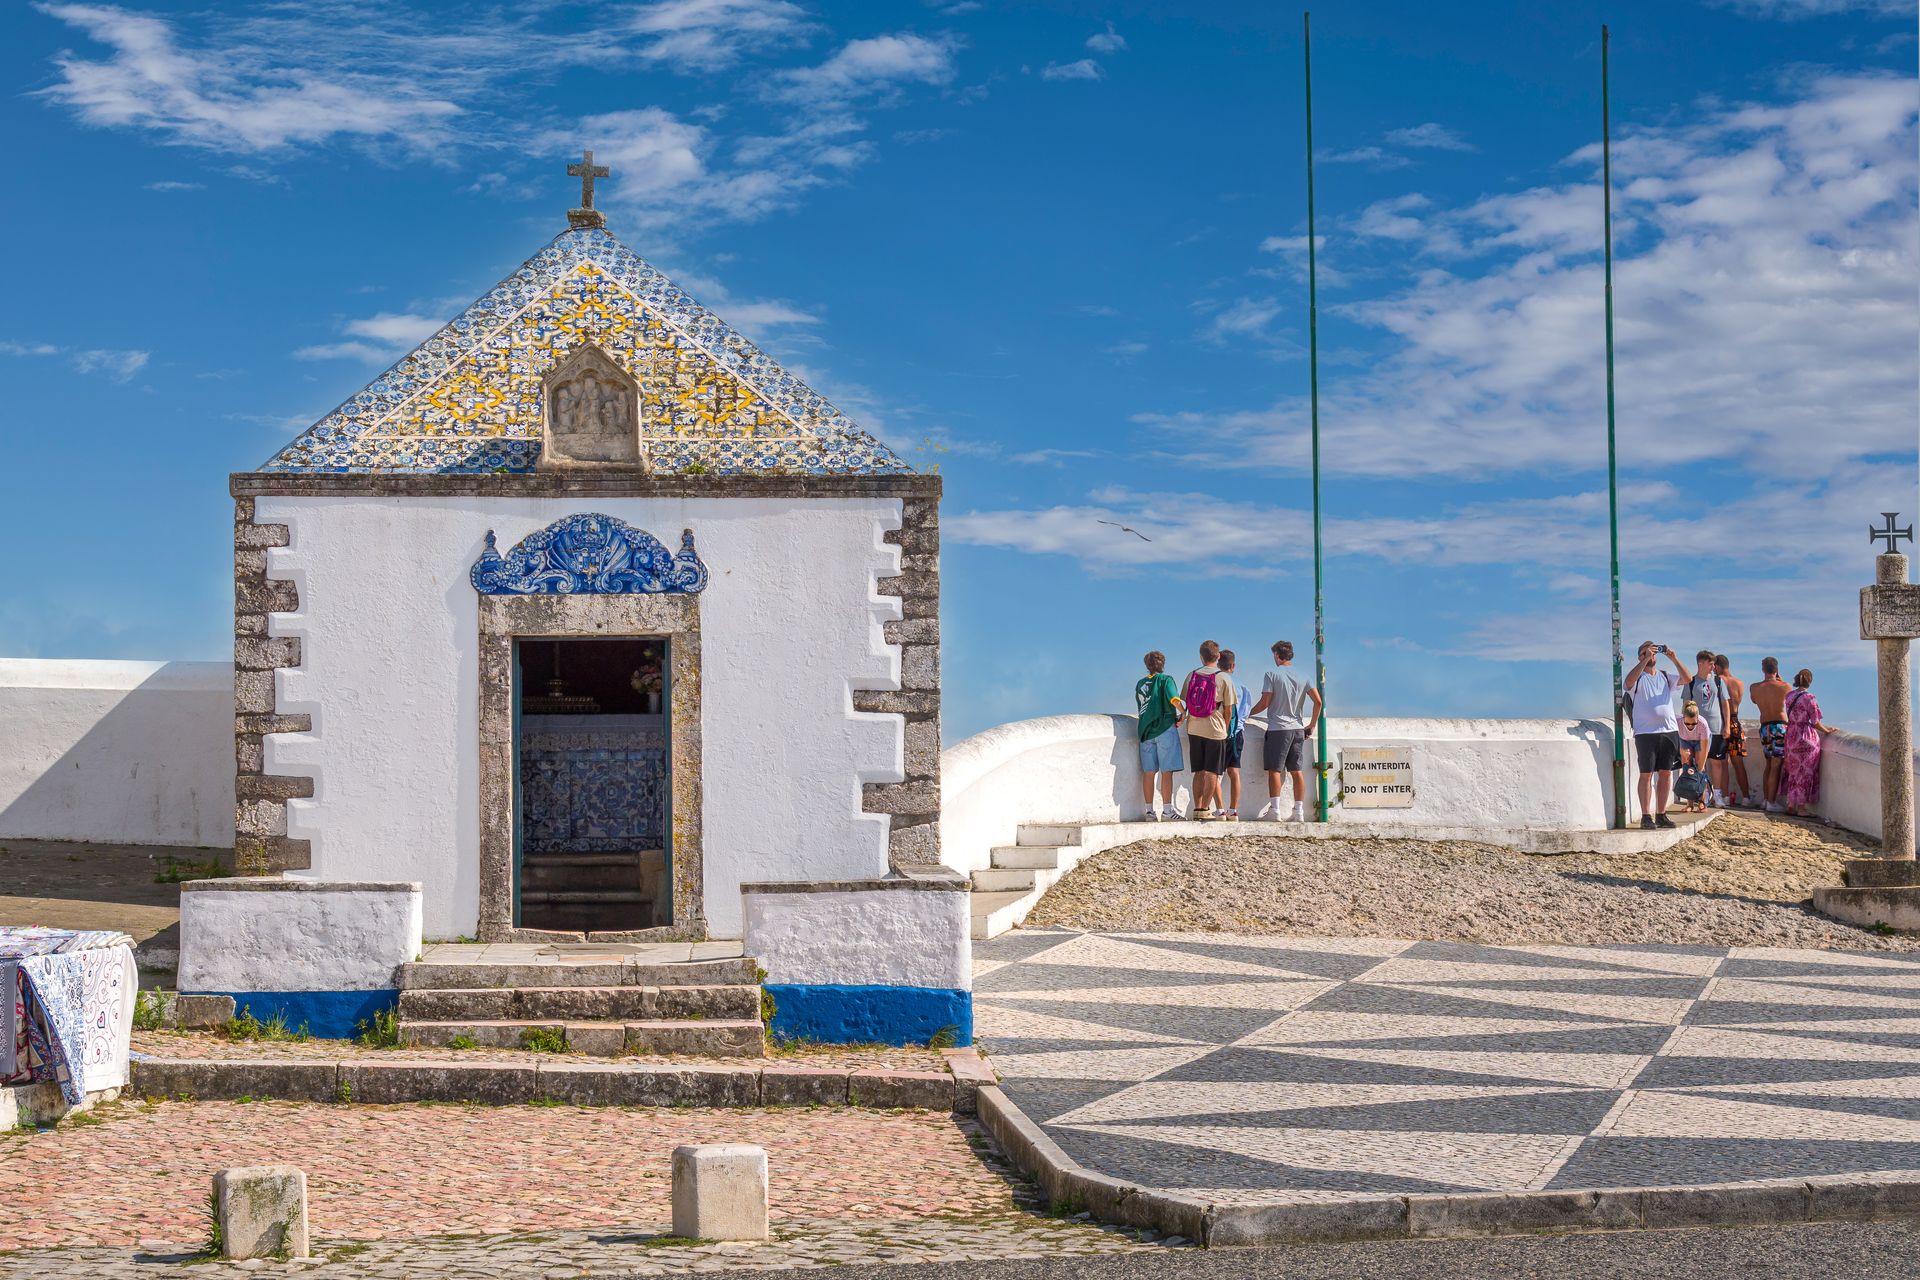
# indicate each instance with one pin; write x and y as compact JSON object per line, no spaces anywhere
{"x":591,"y":414}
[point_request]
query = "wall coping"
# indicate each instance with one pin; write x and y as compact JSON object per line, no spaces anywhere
{"x":942,"y":885}
{"x":287,"y":884}
{"x":594,"y":484}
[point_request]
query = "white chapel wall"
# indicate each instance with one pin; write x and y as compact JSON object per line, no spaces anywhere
{"x":388,"y":624}
{"x":116,"y":752}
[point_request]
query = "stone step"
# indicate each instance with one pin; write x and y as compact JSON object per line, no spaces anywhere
{"x":700,"y":1038}
{"x":996,"y":879}
{"x":580,"y":897}
{"x":564,"y":1004}
{"x":1038,"y":833}
{"x":580,"y":872}
{"x":1045,"y":856}
{"x":995,"y":913}
{"x":736,"y":971}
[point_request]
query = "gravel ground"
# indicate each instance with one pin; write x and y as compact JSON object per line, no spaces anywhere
{"x":1746,"y":881}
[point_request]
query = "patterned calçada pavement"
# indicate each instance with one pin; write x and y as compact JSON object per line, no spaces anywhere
{"x":1270,"y":1070}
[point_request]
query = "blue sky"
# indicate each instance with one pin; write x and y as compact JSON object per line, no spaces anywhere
{"x":1056,"y":249}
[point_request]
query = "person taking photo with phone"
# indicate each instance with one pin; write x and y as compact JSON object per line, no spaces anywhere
{"x":1656,"y":734}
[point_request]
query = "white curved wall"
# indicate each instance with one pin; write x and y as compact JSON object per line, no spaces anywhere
{"x":1541,"y":774}
{"x":120,"y":752}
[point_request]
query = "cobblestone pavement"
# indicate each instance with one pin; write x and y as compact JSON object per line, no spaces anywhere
{"x":202,"y":1044}
{"x":458,"y":1191}
{"x":1273,"y":1069}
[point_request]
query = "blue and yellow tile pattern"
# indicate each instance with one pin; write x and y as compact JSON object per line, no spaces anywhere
{"x":468,"y":400}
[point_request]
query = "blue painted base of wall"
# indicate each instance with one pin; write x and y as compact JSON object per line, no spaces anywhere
{"x":833,"y":1014}
{"x":330,"y":1015}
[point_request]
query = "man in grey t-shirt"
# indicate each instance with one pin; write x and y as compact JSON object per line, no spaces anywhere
{"x":1708,"y":690}
{"x":1292,"y":705}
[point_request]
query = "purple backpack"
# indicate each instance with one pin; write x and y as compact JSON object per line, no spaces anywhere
{"x":1202,"y":693}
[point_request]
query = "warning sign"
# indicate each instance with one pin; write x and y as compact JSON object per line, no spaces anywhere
{"x":1376,"y":777}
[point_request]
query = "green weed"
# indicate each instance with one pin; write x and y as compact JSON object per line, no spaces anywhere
{"x":944,"y":1038}
{"x":544,"y":1040}
{"x":149,"y":1011}
{"x":174,"y":871}
{"x":382,"y":1031}
{"x":463,"y":1041}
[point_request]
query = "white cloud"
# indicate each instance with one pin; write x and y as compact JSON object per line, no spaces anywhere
{"x":1084,"y":69}
{"x":872,"y":67}
{"x":1765,"y":308}
{"x":118,"y":365}
{"x":1377,"y":157}
{"x":376,"y":339}
{"x":1429,"y":136}
{"x":1793,"y":10}
{"x":170,"y":185}
{"x":706,"y":35}
{"x":1108,"y":41}
{"x":227,"y":99}
{"x":1243,"y":319}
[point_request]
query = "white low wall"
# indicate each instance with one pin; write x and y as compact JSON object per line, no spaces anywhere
{"x":890,"y":933}
{"x":116,"y":752}
{"x":281,"y":934}
{"x":1849,"y":779}
{"x":1550,"y":775}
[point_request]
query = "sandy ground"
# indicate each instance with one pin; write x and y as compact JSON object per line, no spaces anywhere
{"x":1744,"y":881}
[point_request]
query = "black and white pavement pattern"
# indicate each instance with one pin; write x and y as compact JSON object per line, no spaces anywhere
{"x":1272,"y":1069}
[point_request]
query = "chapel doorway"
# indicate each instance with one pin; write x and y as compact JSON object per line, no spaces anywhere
{"x":592,"y":842}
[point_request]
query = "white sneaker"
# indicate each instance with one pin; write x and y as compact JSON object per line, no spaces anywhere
{"x":1299,"y":813}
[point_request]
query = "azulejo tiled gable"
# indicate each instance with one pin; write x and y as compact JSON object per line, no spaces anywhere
{"x":470,"y":398}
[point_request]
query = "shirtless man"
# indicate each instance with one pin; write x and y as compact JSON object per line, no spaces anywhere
{"x":1736,"y":761}
{"x":1770,"y":701}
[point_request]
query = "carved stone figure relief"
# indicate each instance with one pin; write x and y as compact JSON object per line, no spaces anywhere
{"x":592,"y":413}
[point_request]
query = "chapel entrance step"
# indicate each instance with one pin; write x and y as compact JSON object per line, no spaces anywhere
{"x":579,"y":1004}
{"x":587,"y":968}
{"x":581,"y":873}
{"x":702,"y":1038}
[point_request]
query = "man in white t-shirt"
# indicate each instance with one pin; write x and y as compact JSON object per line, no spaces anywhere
{"x":1656,"y":735}
{"x":1292,"y":705}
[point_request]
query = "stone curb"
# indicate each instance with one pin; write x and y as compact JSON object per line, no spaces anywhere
{"x":398,"y":1079}
{"x":1067,"y":1183}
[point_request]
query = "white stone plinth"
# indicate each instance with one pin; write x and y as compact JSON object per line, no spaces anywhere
{"x":261,"y":1211}
{"x":720,"y":1192}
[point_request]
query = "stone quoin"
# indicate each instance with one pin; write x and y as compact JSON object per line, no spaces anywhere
{"x":579,"y":618}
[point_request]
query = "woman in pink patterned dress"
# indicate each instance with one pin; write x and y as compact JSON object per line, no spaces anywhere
{"x":1800,"y":780}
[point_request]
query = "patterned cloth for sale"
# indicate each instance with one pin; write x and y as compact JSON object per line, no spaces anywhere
{"x":66,"y":1008}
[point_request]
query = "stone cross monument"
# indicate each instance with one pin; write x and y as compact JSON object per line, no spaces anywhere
{"x":586,"y":216}
{"x":1886,"y":890}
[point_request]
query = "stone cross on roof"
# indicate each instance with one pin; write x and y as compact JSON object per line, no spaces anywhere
{"x":586,"y":170}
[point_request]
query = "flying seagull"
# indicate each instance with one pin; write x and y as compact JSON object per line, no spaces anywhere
{"x":1125,"y":529}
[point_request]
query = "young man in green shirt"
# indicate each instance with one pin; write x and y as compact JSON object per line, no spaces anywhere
{"x":1159,"y":734}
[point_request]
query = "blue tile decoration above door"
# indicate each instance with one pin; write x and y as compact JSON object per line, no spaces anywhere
{"x":588,"y":554}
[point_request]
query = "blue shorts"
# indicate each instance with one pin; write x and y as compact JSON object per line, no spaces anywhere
{"x":1234,"y":744}
{"x":1162,"y":754}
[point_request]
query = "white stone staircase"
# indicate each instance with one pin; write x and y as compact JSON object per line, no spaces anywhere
{"x":1005,"y":892}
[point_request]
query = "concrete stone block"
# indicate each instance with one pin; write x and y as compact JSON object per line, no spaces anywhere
{"x":253,"y":691}
{"x":494,"y":1084}
{"x":1500,"y":1213}
{"x":970,"y":1075}
{"x":1897,"y":907}
{"x":1881,"y":873}
{"x":202,"y":1013}
{"x":720,"y":1192}
{"x":916,"y":844}
{"x":213,"y":1080}
{"x":1859,"y":1199}
{"x":261,"y":1211}
{"x":642,"y":1085}
{"x":802,"y":1087}
{"x":928,"y":1090}
{"x":1723,"y":1206}
{"x":597,"y":1039}
{"x":1374,"y":1218}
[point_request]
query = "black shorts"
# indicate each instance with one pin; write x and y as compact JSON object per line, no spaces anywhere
{"x":1718,"y":750}
{"x":1207,"y":755}
{"x":1235,"y":741}
{"x":1659,"y":752}
{"x":1285,"y":750}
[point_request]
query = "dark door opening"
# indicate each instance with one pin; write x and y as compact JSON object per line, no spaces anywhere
{"x":592,"y":831}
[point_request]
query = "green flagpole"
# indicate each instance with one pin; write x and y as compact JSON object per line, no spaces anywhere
{"x":1613,"y":465}
{"x":1322,"y":808}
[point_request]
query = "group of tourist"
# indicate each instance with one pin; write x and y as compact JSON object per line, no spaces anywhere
{"x":1689,"y":724}
{"x":1215,"y":708}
